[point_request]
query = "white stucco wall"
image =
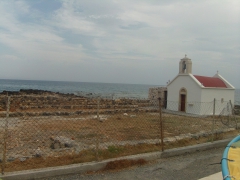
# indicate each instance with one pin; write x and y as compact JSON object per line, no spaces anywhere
{"x":222,"y":97}
{"x":193,"y":93}
{"x":208,"y":94}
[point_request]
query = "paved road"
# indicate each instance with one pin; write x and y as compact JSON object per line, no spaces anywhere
{"x":188,"y":166}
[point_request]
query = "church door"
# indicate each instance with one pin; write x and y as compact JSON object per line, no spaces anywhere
{"x":165,"y":99}
{"x":182,"y":99}
{"x":183,"y":102}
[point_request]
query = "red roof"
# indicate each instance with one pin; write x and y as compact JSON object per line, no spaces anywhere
{"x":211,"y":81}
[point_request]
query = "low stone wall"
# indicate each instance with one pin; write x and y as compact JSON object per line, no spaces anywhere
{"x":37,"y":102}
{"x":74,"y":113}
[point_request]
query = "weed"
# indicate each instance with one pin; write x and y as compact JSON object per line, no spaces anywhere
{"x":114,"y":149}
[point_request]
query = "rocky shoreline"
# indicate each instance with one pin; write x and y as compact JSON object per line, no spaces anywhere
{"x":34,"y":92}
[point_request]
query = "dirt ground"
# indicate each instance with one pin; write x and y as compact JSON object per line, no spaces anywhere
{"x":30,"y":141}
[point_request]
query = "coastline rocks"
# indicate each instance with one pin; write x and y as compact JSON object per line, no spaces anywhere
{"x":36,"y":92}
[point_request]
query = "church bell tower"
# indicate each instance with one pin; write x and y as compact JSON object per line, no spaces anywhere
{"x":185,"y":66}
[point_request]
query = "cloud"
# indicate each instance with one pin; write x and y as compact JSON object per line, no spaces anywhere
{"x":136,"y":37}
{"x":36,"y":41}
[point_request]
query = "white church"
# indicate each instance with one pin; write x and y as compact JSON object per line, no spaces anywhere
{"x":194,"y":93}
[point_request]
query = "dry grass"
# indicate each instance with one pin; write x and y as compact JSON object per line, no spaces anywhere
{"x":117,"y":127}
{"x":83,"y":156}
{"x":200,"y":140}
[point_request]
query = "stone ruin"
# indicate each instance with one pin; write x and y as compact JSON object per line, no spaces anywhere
{"x":237,"y":110}
{"x":155,"y":93}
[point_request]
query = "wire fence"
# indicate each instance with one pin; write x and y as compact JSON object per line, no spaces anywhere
{"x":51,"y":129}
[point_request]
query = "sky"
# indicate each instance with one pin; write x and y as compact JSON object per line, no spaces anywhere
{"x":113,"y":41}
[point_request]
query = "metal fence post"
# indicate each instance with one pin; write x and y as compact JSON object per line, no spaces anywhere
{"x":5,"y":134}
{"x":213,"y":122}
{"x":161,"y":122}
{"x":97,"y":137}
{"x":98,"y":101}
{"x":97,"y":148}
{"x":233,"y":113}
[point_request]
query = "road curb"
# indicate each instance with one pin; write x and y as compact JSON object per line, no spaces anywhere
{"x":194,"y":148}
{"x":95,"y":166}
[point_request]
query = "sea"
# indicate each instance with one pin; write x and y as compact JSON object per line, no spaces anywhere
{"x":90,"y":89}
